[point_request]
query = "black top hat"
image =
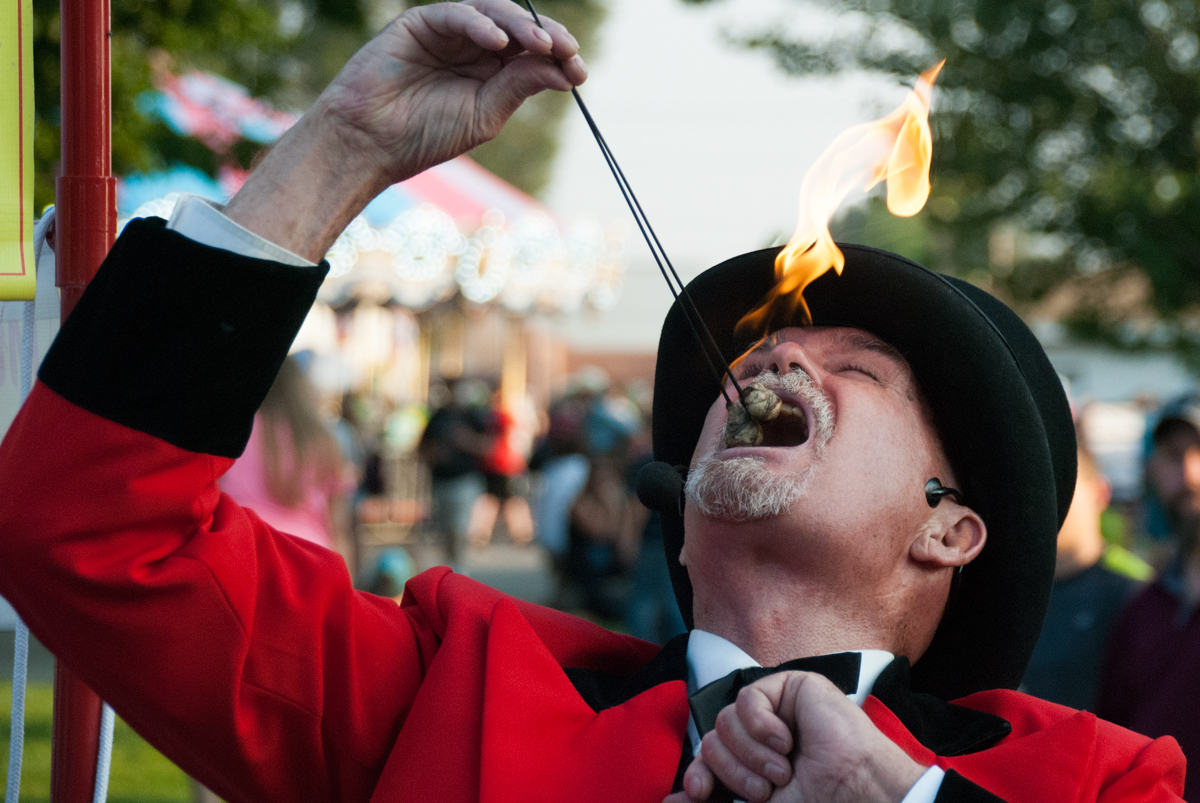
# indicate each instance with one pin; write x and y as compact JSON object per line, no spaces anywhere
{"x":1000,"y":409}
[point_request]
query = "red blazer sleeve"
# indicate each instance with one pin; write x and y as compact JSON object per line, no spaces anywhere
{"x":245,"y":655}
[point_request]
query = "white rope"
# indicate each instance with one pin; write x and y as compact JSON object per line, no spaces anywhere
{"x":16,"y":731}
{"x":104,"y":759}
{"x":16,"y":728}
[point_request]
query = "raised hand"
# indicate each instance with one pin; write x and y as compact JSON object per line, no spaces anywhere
{"x":443,"y":78}
{"x":792,"y":737}
{"x":439,"y":80}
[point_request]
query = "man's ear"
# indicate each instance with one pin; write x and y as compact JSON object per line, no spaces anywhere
{"x":953,"y":536}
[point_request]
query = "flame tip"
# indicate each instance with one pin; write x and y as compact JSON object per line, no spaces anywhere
{"x":897,"y":149}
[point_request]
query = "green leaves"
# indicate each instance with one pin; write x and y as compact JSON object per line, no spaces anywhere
{"x":285,"y":50}
{"x":1069,"y":127}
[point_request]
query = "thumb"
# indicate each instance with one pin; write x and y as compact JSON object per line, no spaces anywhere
{"x":520,"y":79}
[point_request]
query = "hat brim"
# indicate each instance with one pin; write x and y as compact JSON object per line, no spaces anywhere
{"x":999,"y":406}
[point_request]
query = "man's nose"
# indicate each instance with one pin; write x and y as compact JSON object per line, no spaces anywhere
{"x":786,"y":357}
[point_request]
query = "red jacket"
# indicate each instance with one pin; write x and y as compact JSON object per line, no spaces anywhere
{"x":246,"y":656}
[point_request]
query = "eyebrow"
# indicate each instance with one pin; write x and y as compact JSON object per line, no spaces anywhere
{"x":861,"y":340}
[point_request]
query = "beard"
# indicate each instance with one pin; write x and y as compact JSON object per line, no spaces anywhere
{"x":744,"y":488}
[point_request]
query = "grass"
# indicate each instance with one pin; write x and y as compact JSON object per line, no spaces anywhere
{"x":140,"y":774}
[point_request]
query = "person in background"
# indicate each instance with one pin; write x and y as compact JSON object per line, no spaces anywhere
{"x":292,"y":473}
{"x":393,"y":568}
{"x":1150,"y":682}
{"x":560,"y":459}
{"x":347,"y":429}
{"x":1087,"y":595}
{"x":652,"y":613}
{"x":454,"y":442}
{"x":512,"y":428}
{"x":606,"y":520}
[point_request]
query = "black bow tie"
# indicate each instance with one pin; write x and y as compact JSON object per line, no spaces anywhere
{"x":707,"y":702}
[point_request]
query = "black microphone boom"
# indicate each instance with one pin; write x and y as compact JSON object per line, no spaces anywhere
{"x":660,"y":487}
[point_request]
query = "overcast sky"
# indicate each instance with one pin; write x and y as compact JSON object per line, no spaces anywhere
{"x":713,"y":138}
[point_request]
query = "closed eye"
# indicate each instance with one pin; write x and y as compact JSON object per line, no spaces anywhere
{"x":860,"y":369}
{"x":748,"y":369}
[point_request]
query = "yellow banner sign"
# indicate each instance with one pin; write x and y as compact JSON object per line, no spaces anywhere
{"x":17,"y":280}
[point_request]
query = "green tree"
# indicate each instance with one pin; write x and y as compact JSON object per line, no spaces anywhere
{"x":1065,"y":140}
{"x":285,"y":51}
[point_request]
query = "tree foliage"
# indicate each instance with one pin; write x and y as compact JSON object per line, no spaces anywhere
{"x":285,"y":51}
{"x":1065,"y":137}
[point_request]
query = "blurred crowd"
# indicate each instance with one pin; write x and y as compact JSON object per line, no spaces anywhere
{"x":564,"y":479}
{"x":1120,"y":639}
{"x":465,"y":469}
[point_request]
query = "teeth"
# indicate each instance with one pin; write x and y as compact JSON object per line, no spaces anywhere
{"x":791,"y":410}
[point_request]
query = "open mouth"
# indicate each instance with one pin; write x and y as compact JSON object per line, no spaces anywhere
{"x":789,"y":428}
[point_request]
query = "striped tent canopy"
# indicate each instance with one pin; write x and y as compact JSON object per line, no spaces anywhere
{"x":455,"y":228}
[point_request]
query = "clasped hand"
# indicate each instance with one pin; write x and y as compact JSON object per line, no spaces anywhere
{"x":793,"y":736}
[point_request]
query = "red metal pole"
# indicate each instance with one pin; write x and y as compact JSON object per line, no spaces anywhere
{"x":86,"y":227}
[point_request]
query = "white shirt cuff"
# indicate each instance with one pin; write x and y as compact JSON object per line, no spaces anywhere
{"x":202,"y":220}
{"x":927,"y":786}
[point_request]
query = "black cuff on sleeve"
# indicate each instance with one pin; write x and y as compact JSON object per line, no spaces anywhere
{"x":180,"y":340}
{"x":957,"y":789}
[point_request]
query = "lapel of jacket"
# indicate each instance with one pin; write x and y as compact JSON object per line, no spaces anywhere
{"x":603,"y":690}
{"x":543,"y":740}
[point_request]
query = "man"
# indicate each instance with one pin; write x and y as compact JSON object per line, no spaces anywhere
{"x":452,"y":446}
{"x":1089,"y":591}
{"x":247,"y":658}
{"x":1150,"y":683}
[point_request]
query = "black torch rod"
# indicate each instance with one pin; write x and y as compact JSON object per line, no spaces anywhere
{"x":708,"y":346}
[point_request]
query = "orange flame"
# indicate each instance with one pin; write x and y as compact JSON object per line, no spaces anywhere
{"x":897,"y":149}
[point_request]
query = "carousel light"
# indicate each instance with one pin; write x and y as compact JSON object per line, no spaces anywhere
{"x":424,"y":240}
{"x":362,"y":235}
{"x":341,"y":256}
{"x":536,"y":261}
{"x":485,"y":263}
{"x":525,"y":265}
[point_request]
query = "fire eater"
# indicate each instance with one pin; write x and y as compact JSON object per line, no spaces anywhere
{"x":890,"y":541}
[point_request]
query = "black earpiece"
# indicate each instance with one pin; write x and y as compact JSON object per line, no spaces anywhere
{"x":934,"y":491}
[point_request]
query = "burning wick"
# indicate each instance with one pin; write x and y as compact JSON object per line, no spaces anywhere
{"x":743,"y":426}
